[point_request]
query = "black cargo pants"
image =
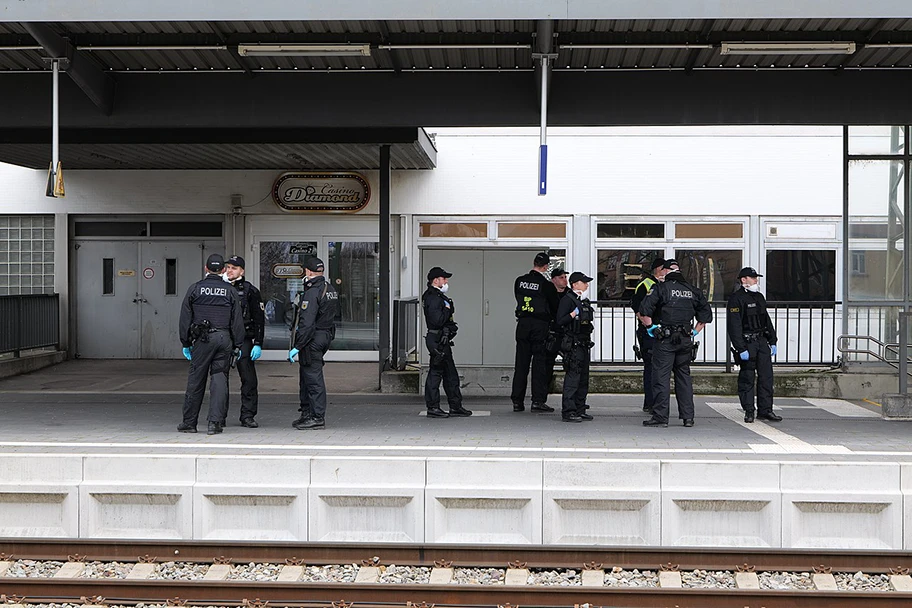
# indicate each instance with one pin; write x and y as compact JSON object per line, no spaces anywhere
{"x":667,"y":357}
{"x":247,"y":371}
{"x":312,"y":385}
{"x":759,"y":365}
{"x":441,"y":369}
{"x":530,"y":350}
{"x":208,"y":359}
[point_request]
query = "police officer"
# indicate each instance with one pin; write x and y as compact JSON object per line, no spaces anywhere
{"x":646,"y":341}
{"x":441,"y":328}
{"x":252,"y":309}
{"x":673,"y":304}
{"x":552,"y":345}
{"x":313,"y":330}
{"x":211,"y":332}
{"x":753,"y":339}
{"x":574,"y":317}
{"x":536,"y":306}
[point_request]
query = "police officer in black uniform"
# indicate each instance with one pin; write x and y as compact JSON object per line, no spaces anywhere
{"x":211,"y":332}
{"x":646,"y":342}
{"x":753,"y":339}
{"x":314,"y":329}
{"x":536,"y":307}
{"x":574,"y":317}
{"x":552,"y":345}
{"x":668,"y":312}
{"x":441,"y":328}
{"x":254,"y":326}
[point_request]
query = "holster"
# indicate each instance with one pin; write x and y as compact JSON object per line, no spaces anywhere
{"x":693,"y":351}
{"x":199,"y":332}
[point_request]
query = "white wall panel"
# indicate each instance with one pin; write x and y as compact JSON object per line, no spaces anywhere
{"x":39,"y":495}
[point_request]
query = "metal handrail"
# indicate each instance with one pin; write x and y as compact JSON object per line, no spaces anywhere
{"x":884,"y":347}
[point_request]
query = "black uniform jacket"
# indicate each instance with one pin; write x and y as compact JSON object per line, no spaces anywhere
{"x":642,"y":290}
{"x":581,"y":325}
{"x":213,"y":300}
{"x":253,"y":310}
{"x":438,"y":311}
{"x":536,"y":297}
{"x":318,"y":303}
{"x":676,"y":303}
{"x":747,"y":314}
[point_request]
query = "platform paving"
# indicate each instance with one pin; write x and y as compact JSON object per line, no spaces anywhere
{"x":135,"y":408}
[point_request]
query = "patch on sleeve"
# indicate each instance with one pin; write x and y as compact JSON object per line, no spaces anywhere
{"x":304,"y":305}
{"x":262,"y":307}
{"x":736,"y":309}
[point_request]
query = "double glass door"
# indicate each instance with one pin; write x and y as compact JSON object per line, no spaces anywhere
{"x":353,"y":269}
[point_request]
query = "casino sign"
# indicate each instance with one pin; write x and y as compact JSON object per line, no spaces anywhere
{"x":323,"y":192}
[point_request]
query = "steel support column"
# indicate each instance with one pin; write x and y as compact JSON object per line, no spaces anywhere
{"x":385,"y":278}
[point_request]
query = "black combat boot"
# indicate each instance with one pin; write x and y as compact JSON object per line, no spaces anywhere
{"x":312,"y":424}
{"x":436,"y":412}
{"x":185,"y":427}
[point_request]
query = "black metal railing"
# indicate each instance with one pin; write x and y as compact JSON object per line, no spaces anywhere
{"x":406,"y":317}
{"x":29,"y":321}
{"x":808,"y":333}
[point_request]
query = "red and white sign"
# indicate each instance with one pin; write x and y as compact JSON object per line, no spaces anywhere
{"x":148,"y":272}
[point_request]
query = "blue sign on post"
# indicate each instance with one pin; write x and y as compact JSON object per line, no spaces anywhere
{"x":542,"y":170}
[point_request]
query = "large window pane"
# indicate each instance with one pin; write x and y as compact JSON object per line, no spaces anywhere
{"x":281,"y":272}
{"x":875,"y":140}
{"x":630,"y":231}
{"x":714,"y":272}
{"x":800,"y":276}
{"x":875,"y":230}
{"x":619,"y":271}
{"x":354,"y":270}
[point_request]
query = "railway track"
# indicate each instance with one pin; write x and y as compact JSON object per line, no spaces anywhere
{"x":589,"y":571}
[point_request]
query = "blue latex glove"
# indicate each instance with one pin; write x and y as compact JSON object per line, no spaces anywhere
{"x":773,"y":349}
{"x":651,"y":330}
{"x":187,"y":350}
{"x":292,"y":354}
{"x":576,"y":310}
{"x":255,"y":353}
{"x":694,"y":333}
{"x":744,"y":356}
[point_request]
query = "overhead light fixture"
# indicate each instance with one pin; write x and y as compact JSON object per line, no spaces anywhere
{"x":788,"y":48}
{"x":304,"y":50}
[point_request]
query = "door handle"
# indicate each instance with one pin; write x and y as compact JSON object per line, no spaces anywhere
{"x":487,"y":308}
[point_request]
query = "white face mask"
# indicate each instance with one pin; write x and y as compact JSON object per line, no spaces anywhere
{"x":582,"y":294}
{"x":754,"y":288}
{"x":225,"y":277}
{"x":444,"y":288}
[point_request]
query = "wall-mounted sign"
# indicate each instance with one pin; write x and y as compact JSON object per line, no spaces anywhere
{"x":148,"y":272}
{"x":303,"y":249}
{"x":126,"y":273}
{"x":326,"y":192}
{"x":287,"y":271}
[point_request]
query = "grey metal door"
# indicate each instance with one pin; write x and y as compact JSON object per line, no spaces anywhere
{"x":501,"y":267}
{"x":467,"y":292}
{"x":166,"y":270}
{"x":107,"y":310}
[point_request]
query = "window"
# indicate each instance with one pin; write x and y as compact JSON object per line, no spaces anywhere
{"x":110,"y":229}
{"x":170,"y":277}
{"x":714,"y":272}
{"x":630,"y":231}
{"x":107,"y":277}
{"x":858,"y":263}
{"x":619,"y":271}
{"x":453,"y":230}
{"x":520,"y":230}
{"x":197,"y":229}
{"x":709,"y":231}
{"x":800,"y":276}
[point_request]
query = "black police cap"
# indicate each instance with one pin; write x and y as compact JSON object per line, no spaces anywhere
{"x":215,"y":263}
{"x":236,"y":260}
{"x":658,"y":263}
{"x":436,"y":272}
{"x":579,"y":276}
{"x":747,"y":271}
{"x":558,"y":272}
{"x":542,"y":259}
{"x":314,"y":265}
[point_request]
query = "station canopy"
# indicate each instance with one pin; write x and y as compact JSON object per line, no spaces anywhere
{"x":233,"y":93}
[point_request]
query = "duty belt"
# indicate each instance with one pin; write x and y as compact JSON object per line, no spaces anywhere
{"x":751,"y":336}
{"x":433,"y":331}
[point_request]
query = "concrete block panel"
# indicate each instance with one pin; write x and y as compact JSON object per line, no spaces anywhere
{"x":483,"y":501}
{"x":906,"y":488}
{"x":601,"y":502}
{"x":137,"y":497}
{"x":366,"y":499}
{"x":842,"y":505}
{"x":725,"y":504}
{"x":251,"y":498}
{"x":39,"y":495}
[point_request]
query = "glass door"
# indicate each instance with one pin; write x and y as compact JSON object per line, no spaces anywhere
{"x":354,"y":271}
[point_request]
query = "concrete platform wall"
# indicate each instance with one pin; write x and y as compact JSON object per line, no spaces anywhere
{"x":647,"y":502}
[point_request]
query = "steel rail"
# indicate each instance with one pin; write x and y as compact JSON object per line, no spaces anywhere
{"x":801,"y":560}
{"x":228,"y":593}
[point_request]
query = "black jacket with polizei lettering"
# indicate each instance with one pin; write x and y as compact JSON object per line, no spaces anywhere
{"x":747,"y":314}
{"x":318,"y":303}
{"x":675,"y":302}
{"x":438,"y":310}
{"x":536,"y":297}
{"x":216,"y":301}
{"x":253,"y":310}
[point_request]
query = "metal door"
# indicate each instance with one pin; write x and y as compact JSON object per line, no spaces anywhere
{"x":107,"y":310}
{"x":466,"y":289}
{"x":166,"y":270}
{"x":501,"y":267}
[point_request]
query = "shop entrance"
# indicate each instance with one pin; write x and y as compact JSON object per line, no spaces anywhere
{"x":482,"y":290}
{"x":129,"y":294}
